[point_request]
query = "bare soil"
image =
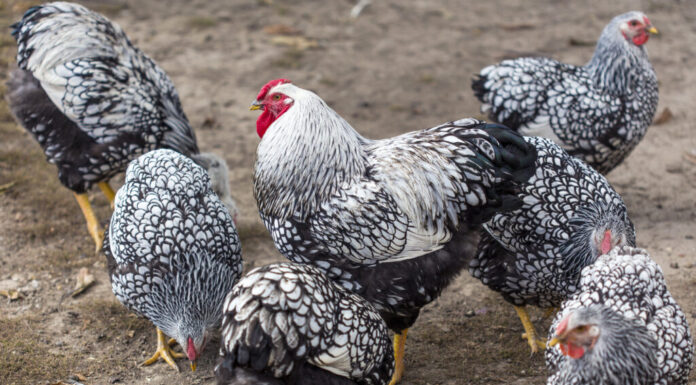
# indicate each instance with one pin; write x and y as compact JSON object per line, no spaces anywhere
{"x":400,"y":66}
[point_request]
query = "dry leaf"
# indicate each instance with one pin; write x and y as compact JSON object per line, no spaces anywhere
{"x":80,"y":377}
{"x":84,"y":281}
{"x":664,"y":117}
{"x":130,"y":333}
{"x":7,"y":186}
{"x":281,"y":29}
{"x":11,"y":294}
{"x":300,"y":43}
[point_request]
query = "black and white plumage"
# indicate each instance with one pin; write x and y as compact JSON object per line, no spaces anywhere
{"x":597,"y":112}
{"x":641,"y":336}
{"x":172,"y":249}
{"x":288,"y":323}
{"x":388,"y":219}
{"x":92,"y":100}
{"x":534,"y":255}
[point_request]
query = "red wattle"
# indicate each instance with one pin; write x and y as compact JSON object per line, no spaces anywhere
{"x":262,"y":123}
{"x":641,"y":38}
{"x":191,"y":350}
{"x":606,"y":242}
{"x":572,"y":351}
{"x":266,"y":119}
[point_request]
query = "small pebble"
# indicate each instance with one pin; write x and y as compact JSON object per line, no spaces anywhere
{"x":470,"y":313}
{"x":674,"y":265}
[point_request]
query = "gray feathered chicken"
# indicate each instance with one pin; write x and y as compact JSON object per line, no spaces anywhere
{"x":172,"y":251}
{"x":92,"y":100}
{"x":621,"y":327}
{"x":391,"y":220}
{"x":289,"y":324}
{"x":570,"y":215}
{"x":597,"y":112}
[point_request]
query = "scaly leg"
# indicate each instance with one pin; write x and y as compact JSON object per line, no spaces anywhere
{"x":92,"y":224}
{"x":108,"y":192}
{"x":529,"y":332}
{"x":399,"y":347}
{"x":164,"y":351}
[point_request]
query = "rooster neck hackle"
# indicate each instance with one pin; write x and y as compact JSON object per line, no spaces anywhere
{"x":328,"y":154}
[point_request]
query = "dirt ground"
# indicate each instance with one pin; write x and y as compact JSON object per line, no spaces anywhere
{"x":400,"y":66}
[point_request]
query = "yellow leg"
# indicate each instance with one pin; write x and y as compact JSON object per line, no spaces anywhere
{"x":108,"y":192}
{"x":399,"y":347}
{"x":92,"y":224}
{"x":529,"y":332}
{"x":164,"y":351}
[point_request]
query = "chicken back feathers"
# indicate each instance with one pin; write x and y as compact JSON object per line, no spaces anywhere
{"x":288,"y":323}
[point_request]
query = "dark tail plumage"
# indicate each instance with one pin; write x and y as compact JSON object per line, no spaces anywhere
{"x":515,"y":161}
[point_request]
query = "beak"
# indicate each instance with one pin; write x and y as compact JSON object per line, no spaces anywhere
{"x":256,"y":106}
{"x":193,"y":366}
{"x":554,"y":341}
{"x":651,"y":29}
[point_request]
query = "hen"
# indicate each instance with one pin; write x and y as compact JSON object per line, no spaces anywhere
{"x":289,"y":324}
{"x":621,"y":327}
{"x":172,"y":251}
{"x":92,"y":100}
{"x":390,"y":220}
{"x":570,"y":215}
{"x":597,"y":112}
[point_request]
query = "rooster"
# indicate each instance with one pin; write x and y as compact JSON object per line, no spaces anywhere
{"x":172,"y":251}
{"x":92,"y":100}
{"x":622,"y":327}
{"x":288,"y":323}
{"x":597,"y":112}
{"x":570,"y":216}
{"x":391,"y":220}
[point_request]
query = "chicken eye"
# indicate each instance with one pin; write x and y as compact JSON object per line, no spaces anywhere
{"x":276,"y":97}
{"x":633,"y":23}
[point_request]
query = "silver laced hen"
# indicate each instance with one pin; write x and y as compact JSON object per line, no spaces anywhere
{"x":172,"y":251}
{"x":534,"y":255}
{"x":391,"y":220}
{"x":288,"y":323}
{"x":621,"y":327}
{"x":92,"y":100}
{"x":597,"y":112}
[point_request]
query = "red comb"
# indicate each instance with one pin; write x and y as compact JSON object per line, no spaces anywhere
{"x":606,"y":242}
{"x":269,"y":85}
{"x":191,"y":350}
{"x":563,"y":325}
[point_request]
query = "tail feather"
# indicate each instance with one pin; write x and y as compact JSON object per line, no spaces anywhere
{"x":515,"y":163}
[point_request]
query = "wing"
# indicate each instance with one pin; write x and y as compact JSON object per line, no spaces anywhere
{"x":98,"y":79}
{"x":420,"y":188}
{"x":542,"y":97}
